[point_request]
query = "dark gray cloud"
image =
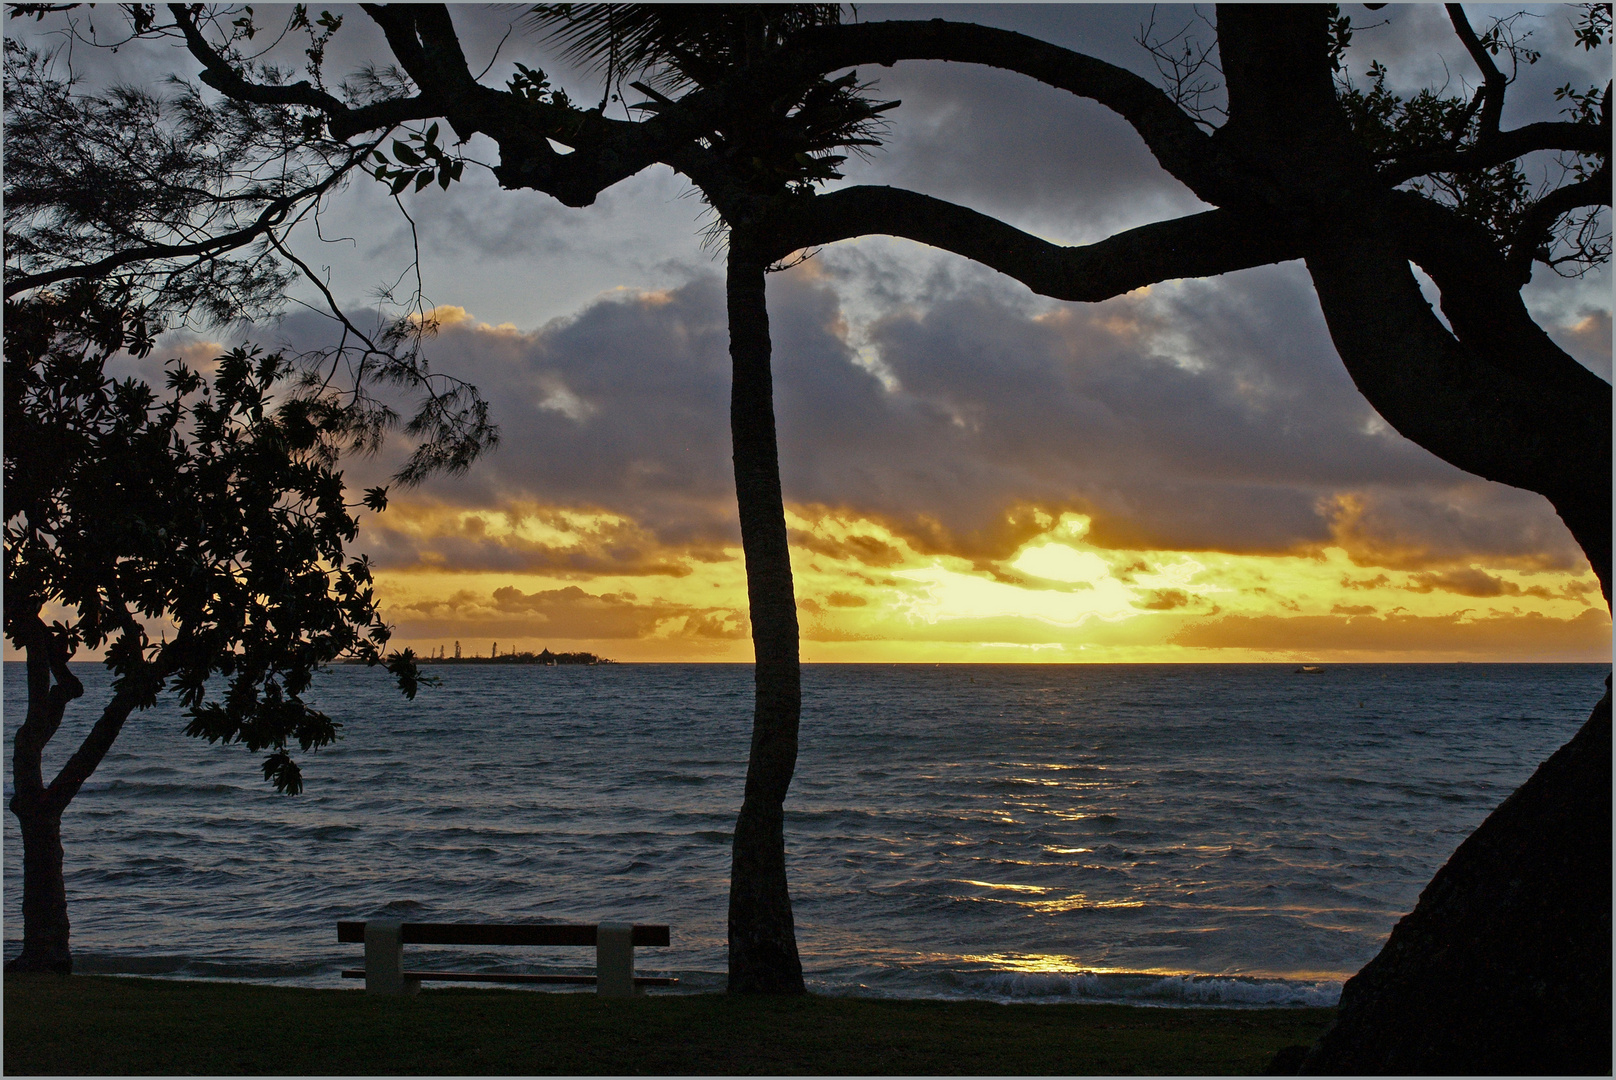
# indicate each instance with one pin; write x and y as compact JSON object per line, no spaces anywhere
{"x":1007,"y":145}
{"x":1036,"y":157}
{"x":1199,"y":416}
{"x":580,"y":549}
{"x":1470,"y":581}
{"x":615,"y":615}
{"x":1210,"y":415}
{"x":1405,"y":526}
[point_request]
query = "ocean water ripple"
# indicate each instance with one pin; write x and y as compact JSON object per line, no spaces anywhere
{"x":1171,"y":835}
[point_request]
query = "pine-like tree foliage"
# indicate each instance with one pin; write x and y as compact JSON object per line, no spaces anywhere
{"x":177,"y":206}
{"x":90,"y":177}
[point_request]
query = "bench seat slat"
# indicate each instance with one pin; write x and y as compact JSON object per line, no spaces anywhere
{"x":501,"y":934}
{"x":479,"y":976}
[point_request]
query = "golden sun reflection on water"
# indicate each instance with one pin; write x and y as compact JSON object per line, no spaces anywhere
{"x":1071,"y":902}
{"x":1054,"y":964}
{"x":1039,"y":889}
{"x":1057,"y":964}
{"x":1078,"y":902}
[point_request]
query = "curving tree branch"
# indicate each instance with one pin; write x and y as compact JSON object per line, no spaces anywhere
{"x":1171,"y":134}
{"x":1200,"y":245}
{"x":272,"y":215}
{"x":1503,"y":146}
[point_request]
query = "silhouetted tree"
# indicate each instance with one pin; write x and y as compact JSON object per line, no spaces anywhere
{"x":1505,"y":963}
{"x":209,"y":508}
{"x":206,"y":507}
{"x":1357,"y":184}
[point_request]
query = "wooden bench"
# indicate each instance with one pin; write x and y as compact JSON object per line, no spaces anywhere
{"x":614,"y":943}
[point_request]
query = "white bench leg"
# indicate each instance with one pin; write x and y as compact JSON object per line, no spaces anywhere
{"x":614,"y":960}
{"x":384,"y":959}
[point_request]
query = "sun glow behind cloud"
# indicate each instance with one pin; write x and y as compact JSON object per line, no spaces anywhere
{"x":580,"y":579}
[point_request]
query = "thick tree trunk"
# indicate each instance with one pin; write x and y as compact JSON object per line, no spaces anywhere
{"x":1553,"y":414}
{"x":1494,"y":396}
{"x":44,"y":892}
{"x":1504,"y":965}
{"x":1515,"y":409}
{"x":51,"y":686}
{"x":762,"y":937}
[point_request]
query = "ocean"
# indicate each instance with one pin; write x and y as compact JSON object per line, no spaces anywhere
{"x":1157,"y":834}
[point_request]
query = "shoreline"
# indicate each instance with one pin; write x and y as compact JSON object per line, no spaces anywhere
{"x":1142,"y":989}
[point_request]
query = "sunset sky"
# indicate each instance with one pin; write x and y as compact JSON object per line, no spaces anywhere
{"x":972,"y":473}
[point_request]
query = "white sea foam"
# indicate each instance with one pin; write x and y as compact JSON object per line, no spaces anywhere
{"x":1146,"y":989}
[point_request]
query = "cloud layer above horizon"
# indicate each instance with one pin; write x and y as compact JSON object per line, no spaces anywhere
{"x":971,"y":474}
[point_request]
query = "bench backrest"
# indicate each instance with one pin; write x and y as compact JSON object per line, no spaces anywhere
{"x":500,"y":934}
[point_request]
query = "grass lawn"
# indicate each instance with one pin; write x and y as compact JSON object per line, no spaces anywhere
{"x":96,"y":1024}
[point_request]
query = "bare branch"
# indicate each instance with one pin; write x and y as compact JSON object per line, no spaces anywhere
{"x":1535,"y":232}
{"x":219,"y":74}
{"x":331,"y":301}
{"x":272,"y":215}
{"x":1182,"y":70}
{"x":343,"y":122}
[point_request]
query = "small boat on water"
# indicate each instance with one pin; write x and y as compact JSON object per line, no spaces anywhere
{"x":1309,"y":669}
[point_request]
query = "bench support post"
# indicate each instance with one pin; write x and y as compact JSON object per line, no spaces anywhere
{"x":384,"y":959}
{"x":614,"y":960}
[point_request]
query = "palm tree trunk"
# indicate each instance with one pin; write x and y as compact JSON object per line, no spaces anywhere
{"x":762,"y":937}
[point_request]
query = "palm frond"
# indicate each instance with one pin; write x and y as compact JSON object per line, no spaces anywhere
{"x":671,"y":45}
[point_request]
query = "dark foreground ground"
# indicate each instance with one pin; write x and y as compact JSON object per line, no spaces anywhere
{"x":92,"y":1024}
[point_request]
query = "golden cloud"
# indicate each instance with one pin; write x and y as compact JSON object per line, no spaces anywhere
{"x":525,"y":538}
{"x":572,"y":613}
{"x":578,"y":575}
{"x":1529,"y":635}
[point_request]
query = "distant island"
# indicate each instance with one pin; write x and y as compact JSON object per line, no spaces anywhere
{"x":546,"y":657}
